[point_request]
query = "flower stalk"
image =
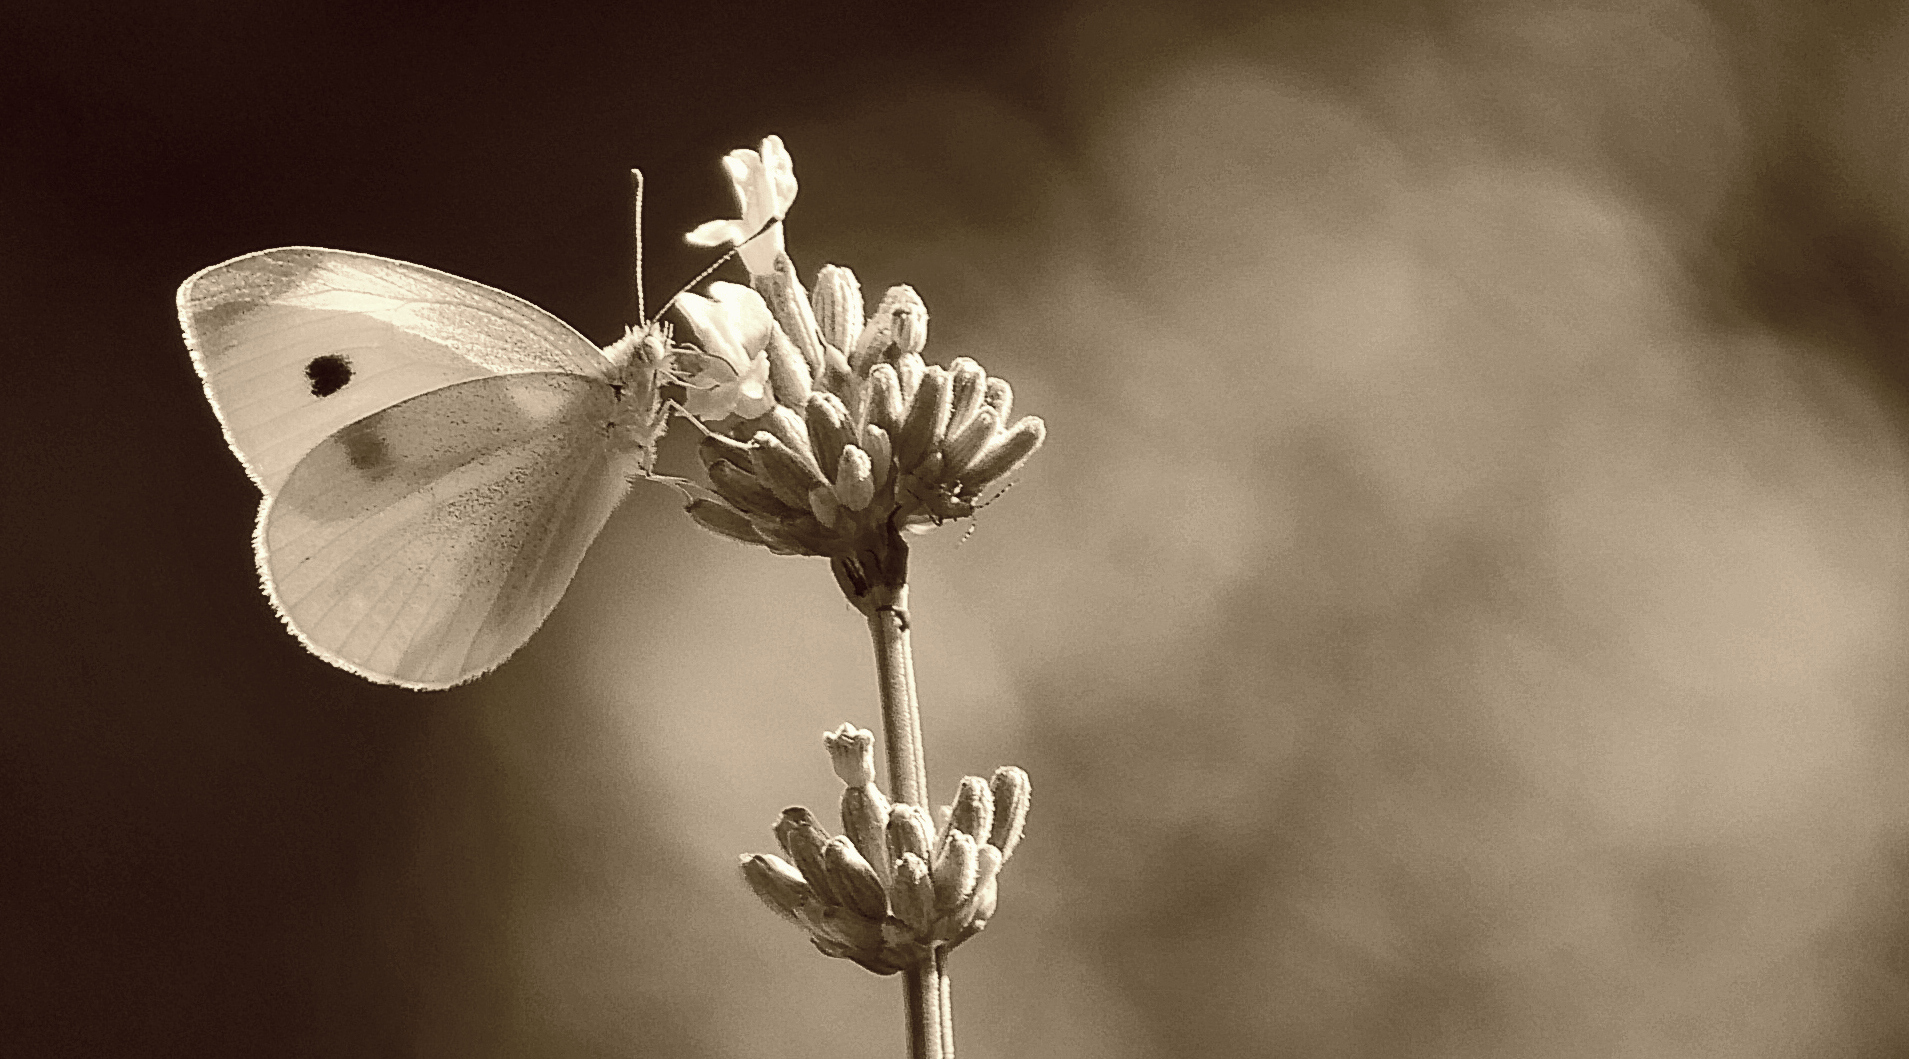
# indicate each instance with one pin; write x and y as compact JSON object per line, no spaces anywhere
{"x":930,"y":1009}
{"x":886,"y":608}
{"x":835,"y":438}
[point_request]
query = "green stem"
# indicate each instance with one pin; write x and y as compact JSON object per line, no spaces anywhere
{"x":885,"y":604}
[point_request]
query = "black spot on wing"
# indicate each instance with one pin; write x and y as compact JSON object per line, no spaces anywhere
{"x":365,"y":449}
{"x":328,"y":374}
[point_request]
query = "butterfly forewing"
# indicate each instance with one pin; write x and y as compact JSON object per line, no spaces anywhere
{"x":296,"y":343}
{"x":426,"y":542}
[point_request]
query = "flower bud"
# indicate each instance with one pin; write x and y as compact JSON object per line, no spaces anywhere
{"x":967,"y":444}
{"x":779,"y":885}
{"x":852,"y":753}
{"x":980,"y":909}
{"x":864,"y":807}
{"x":789,"y":304}
{"x":909,"y":831}
{"x":716,"y":447}
{"x":829,"y":430}
{"x":827,"y":509}
{"x":909,"y":368}
{"x":844,"y":932}
{"x":802,"y":839}
{"x":880,"y":455}
{"x":973,"y":809}
{"x":927,"y":421}
{"x":864,"y":821}
{"x":987,"y":867}
{"x":788,"y":373}
{"x":791,"y":428}
{"x":774,"y":539}
{"x":1005,"y":456}
{"x":913,"y":895}
{"x":724,"y":520}
{"x":1012,"y":795}
{"x":910,"y":328}
{"x":967,"y":385}
{"x":1000,"y":397}
{"x":838,"y":306}
{"x":855,"y":480}
{"x":744,"y":490}
{"x":975,"y":912}
{"x":871,"y":346}
{"x":788,"y":476}
{"x":898,"y":324}
{"x":878,"y":334}
{"x":885,"y":407}
{"x":851,"y":877}
{"x":954,"y":871}
{"x":837,"y":377}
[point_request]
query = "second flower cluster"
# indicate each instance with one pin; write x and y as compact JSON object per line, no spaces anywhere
{"x":888,"y":891}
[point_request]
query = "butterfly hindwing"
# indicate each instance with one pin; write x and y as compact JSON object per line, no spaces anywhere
{"x":297,"y":343}
{"x":424,"y":543}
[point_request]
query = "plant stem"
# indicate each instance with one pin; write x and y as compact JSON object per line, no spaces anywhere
{"x":885,"y":604}
{"x":940,"y":959}
{"x":901,"y":711}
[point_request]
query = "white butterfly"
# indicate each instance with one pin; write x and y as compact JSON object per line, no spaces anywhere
{"x":435,"y":455}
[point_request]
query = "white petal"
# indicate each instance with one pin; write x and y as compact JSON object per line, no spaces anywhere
{"x":709,"y":404}
{"x":717,"y":233}
{"x":754,"y":395}
{"x":739,"y":163}
{"x":747,"y":314}
{"x":780,"y":169}
{"x":732,"y":323}
{"x":759,"y":254}
{"x":713,"y":328}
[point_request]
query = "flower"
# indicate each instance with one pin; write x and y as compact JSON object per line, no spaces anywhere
{"x":890,"y":442}
{"x":856,"y":439}
{"x":733,"y":324}
{"x":764,"y":183}
{"x":888,"y":891}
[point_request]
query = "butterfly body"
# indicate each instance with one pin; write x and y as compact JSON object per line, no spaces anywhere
{"x":435,"y":455}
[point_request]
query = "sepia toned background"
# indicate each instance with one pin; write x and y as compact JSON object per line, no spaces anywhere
{"x":1459,"y":611}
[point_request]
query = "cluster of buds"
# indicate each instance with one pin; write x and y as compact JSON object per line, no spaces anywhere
{"x":843,"y":435}
{"x":888,"y":890}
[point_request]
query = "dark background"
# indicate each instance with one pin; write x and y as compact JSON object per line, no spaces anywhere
{"x":1459,"y":612}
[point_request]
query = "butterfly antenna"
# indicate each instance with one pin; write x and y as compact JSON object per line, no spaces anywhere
{"x":636,"y":187}
{"x":718,"y":263}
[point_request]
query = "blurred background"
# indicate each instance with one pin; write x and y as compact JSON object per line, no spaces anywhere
{"x":1459,"y":611}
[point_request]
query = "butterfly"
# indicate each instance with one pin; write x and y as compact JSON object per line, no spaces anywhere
{"x":435,"y":455}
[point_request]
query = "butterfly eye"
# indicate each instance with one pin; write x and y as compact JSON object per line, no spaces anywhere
{"x":328,"y":374}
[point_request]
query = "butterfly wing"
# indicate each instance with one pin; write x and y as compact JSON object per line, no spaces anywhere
{"x":424,"y":543}
{"x":297,"y":343}
{"x":435,"y":455}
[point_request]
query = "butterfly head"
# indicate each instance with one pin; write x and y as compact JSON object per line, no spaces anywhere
{"x":640,"y":363}
{"x":645,"y":348}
